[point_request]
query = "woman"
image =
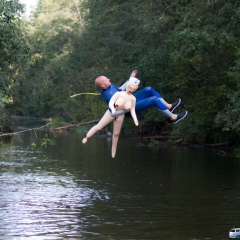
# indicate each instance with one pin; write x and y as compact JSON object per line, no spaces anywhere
{"x":120,"y":101}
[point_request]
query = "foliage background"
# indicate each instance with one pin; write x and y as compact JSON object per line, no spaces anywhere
{"x":182,"y":48}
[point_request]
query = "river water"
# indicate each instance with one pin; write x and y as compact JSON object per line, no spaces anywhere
{"x":75,"y":191}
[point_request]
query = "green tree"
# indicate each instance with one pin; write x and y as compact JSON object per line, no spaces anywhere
{"x":13,"y":48}
{"x":48,"y":79}
{"x":202,"y":50}
{"x":182,"y":48}
{"x":13,"y":43}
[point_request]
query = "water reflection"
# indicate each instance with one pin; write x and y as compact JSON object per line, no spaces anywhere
{"x":71,"y":191}
{"x":36,"y":202}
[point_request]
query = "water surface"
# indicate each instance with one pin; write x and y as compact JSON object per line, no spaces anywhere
{"x":75,"y":191}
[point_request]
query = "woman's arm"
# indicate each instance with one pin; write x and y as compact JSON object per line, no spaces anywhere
{"x":132,"y":111}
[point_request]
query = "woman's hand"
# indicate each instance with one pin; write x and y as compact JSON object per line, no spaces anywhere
{"x":136,"y":122}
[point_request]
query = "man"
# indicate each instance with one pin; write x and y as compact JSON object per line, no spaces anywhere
{"x":145,"y":98}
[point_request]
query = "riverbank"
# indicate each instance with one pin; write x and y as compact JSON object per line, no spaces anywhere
{"x":162,"y":141}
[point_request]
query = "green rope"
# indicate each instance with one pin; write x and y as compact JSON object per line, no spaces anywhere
{"x":75,"y":95}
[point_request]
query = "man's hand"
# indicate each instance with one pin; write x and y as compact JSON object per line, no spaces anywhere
{"x":134,"y":73}
{"x":113,"y":110}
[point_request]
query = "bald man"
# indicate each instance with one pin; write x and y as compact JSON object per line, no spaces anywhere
{"x":145,"y":98}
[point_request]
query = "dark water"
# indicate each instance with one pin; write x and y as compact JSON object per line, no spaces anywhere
{"x":75,"y":191}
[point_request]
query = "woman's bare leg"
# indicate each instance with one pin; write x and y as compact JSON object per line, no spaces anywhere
{"x":117,"y":125}
{"x":105,"y":120}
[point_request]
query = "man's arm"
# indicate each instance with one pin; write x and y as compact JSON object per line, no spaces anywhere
{"x":112,"y":102}
{"x":133,"y":74}
{"x":118,"y":113}
{"x":123,"y":87}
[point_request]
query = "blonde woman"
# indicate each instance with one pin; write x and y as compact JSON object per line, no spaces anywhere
{"x":123,"y":100}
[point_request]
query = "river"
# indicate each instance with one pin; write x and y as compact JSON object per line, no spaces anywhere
{"x":75,"y":191}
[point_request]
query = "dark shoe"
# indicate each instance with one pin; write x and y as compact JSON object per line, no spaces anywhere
{"x":175,"y":104}
{"x":180,"y":117}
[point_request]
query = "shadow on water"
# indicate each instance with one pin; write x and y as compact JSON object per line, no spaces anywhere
{"x":75,"y":191}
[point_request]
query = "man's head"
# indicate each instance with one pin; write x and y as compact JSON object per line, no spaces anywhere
{"x":102,"y":82}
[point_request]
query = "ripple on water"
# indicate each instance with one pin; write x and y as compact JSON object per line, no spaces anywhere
{"x":44,"y":195}
{"x":40,"y":204}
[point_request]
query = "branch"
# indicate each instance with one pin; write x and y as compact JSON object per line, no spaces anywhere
{"x":42,"y":127}
{"x":75,"y":125}
{"x":26,"y":130}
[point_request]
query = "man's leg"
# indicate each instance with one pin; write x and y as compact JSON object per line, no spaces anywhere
{"x":154,"y":101}
{"x":145,"y":93}
{"x":150,"y":92}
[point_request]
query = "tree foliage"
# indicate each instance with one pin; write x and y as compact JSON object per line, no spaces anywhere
{"x":13,"y":48}
{"x":13,"y":43}
{"x":182,"y":48}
